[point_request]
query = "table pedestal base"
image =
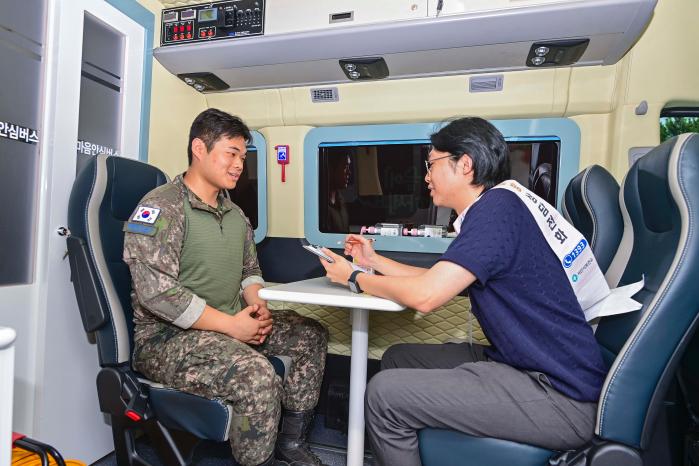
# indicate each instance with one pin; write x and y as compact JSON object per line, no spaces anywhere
{"x":360,"y":354}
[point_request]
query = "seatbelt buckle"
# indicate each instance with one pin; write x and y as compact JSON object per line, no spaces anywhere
{"x":137,"y":408}
{"x":135,"y":397}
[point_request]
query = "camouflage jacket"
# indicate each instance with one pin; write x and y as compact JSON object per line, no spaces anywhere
{"x":153,"y":241}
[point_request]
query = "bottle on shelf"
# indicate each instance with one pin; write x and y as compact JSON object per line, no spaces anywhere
{"x":427,"y":231}
{"x":383,"y":229}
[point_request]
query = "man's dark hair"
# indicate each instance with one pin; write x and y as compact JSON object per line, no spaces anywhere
{"x":481,"y":141}
{"x":213,"y":124}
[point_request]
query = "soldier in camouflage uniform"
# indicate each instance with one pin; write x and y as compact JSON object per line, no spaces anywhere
{"x":191,"y":251}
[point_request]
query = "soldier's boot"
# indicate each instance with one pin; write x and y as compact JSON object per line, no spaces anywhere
{"x":291,"y":441}
{"x":272,"y":461}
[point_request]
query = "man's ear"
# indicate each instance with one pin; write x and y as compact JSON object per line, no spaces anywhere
{"x":468,"y":164}
{"x":198,"y":149}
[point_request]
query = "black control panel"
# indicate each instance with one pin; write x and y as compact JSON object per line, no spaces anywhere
{"x":212,"y":21}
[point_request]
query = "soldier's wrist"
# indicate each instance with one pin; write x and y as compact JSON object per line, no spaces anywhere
{"x":230,"y":326}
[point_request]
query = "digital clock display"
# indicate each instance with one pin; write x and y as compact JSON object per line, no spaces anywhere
{"x":169,"y":16}
{"x":210,"y":14}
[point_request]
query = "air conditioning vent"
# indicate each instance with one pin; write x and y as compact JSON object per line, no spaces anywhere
{"x":485,"y":83}
{"x":325,"y":94}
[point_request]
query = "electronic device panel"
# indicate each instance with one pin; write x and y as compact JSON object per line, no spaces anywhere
{"x":212,"y":21}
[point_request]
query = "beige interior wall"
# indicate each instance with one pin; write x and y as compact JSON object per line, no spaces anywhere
{"x":663,"y":71}
{"x":285,"y":200}
{"x":174,"y":106}
{"x":257,"y":108}
{"x":525,"y":94}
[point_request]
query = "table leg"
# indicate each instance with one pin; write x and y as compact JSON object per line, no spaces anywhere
{"x":360,"y":349}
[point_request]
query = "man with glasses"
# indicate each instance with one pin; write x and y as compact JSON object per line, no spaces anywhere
{"x":539,"y":381}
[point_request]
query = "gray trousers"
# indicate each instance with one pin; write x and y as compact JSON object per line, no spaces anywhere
{"x":454,"y":386}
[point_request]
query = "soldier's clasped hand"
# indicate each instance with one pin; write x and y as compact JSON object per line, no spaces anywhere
{"x":248,"y":328}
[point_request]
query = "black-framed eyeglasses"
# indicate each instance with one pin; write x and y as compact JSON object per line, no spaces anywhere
{"x":428,"y":163}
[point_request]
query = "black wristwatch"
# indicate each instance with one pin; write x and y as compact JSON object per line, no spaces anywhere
{"x":353,"y":283}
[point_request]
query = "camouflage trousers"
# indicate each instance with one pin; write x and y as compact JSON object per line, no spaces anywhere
{"x":214,"y":365}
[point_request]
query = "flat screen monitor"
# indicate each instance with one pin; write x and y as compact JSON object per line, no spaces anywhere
{"x":362,"y":184}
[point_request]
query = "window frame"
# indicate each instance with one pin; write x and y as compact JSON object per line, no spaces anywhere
{"x":563,"y":129}
{"x":260,"y":144}
{"x":680,"y":112}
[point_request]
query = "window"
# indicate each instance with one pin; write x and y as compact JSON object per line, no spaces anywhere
{"x":675,"y":121}
{"x":250,"y":193}
{"x":360,"y":176}
{"x":362,"y":184}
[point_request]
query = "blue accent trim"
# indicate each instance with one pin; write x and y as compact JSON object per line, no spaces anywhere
{"x":261,"y":145}
{"x":145,"y":18}
{"x":533,"y":138}
{"x":555,"y":129}
{"x":373,"y":143}
{"x":140,"y":228}
{"x":426,"y":141}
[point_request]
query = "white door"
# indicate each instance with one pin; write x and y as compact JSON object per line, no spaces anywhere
{"x":81,"y":35}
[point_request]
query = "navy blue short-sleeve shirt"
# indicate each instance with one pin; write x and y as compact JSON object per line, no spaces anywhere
{"x":522,"y":298}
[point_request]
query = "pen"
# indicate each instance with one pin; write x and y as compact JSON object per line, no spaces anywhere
{"x":373,"y":240}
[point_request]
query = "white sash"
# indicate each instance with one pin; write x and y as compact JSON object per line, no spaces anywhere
{"x":576,"y":257}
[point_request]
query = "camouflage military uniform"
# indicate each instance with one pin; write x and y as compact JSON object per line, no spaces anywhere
{"x":208,"y":363}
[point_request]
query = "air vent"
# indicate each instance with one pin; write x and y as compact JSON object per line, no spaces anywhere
{"x":485,"y":83}
{"x":324,"y":94}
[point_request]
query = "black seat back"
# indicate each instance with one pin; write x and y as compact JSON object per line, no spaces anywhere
{"x":105,"y":193}
{"x":540,"y":181}
{"x":591,"y":204}
{"x":660,"y":243}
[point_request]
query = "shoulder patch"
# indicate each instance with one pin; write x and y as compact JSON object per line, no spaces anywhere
{"x":140,"y":228}
{"x":145,"y":214}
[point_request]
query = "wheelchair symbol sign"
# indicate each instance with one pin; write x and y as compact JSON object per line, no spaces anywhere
{"x":282,"y":154}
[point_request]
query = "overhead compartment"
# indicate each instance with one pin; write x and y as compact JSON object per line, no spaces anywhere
{"x":467,"y":37}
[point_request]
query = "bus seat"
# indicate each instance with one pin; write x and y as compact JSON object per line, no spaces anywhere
{"x":540,"y":181}
{"x":105,"y":193}
{"x":591,"y":204}
{"x":660,"y":202}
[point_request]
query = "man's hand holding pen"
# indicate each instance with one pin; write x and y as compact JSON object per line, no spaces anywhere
{"x":361,"y":249}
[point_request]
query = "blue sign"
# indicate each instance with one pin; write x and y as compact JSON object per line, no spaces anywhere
{"x":572,"y":255}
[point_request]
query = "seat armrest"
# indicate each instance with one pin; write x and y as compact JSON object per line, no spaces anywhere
{"x":598,"y":452}
{"x":122,"y":394}
{"x":92,"y":306}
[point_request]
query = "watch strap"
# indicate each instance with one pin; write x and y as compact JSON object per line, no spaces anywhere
{"x":353,"y":280}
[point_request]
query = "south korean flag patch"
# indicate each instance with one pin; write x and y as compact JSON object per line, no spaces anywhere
{"x":145,"y":214}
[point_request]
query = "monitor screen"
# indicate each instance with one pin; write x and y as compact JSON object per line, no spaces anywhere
{"x":363,"y":184}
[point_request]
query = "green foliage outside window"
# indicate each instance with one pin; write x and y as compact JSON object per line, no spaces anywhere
{"x":672,"y":126}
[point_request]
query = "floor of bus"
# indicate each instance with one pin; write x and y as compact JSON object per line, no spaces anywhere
{"x":328,"y":444}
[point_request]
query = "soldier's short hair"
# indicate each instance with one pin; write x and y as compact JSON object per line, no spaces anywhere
{"x":213,"y":124}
